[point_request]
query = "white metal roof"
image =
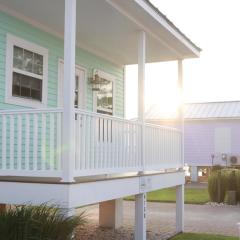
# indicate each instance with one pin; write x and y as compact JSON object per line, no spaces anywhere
{"x":207,"y":110}
{"x":212,"y":110}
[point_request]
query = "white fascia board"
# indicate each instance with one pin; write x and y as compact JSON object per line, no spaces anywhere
{"x":165,"y":24}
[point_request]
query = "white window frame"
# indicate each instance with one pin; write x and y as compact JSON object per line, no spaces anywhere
{"x":111,"y":78}
{"x":9,"y":98}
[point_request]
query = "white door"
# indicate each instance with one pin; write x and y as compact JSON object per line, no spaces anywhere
{"x":80,"y":75}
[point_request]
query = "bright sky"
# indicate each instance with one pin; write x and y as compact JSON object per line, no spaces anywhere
{"x":214,"y":25}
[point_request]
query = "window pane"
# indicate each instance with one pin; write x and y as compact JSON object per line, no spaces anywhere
{"x":38,"y":64}
{"x":76,"y":91}
{"x":27,"y":87}
{"x":16,"y":85}
{"x":18,"y":57}
{"x":28,"y":61}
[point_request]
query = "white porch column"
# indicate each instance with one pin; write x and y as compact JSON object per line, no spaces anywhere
{"x":141,"y":89}
{"x":140,"y":199}
{"x":181,"y":107}
{"x":140,"y":217}
{"x":68,"y":137}
{"x":111,"y":213}
{"x":180,"y":208}
{"x":180,"y":188}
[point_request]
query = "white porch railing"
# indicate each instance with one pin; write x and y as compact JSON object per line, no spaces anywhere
{"x":163,"y":147}
{"x":31,"y":144}
{"x":106,"y":144}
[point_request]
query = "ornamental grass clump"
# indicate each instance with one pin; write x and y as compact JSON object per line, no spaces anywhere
{"x":42,"y":222}
{"x":238,"y":185}
{"x":217,"y":186}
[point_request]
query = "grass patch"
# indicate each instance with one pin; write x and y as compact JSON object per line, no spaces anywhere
{"x":192,"y":195}
{"x":195,"y":236}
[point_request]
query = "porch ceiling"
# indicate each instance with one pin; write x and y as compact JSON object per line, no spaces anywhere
{"x":109,"y":28}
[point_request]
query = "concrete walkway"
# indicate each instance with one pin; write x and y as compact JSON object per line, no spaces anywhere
{"x":161,"y":219}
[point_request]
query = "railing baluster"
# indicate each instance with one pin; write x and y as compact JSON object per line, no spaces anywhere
{"x":83,"y":141}
{"x":51,"y":155}
{"x":19,"y":142}
{"x":92,"y":142}
{"x":35,"y":141}
{"x":4,"y":143}
{"x":77,"y":145}
{"x":12,"y":140}
{"x":27,"y":141}
{"x":59,"y":141}
{"x":43,"y":140}
{"x":87,"y":137}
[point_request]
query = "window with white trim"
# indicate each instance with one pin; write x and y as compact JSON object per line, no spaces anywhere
{"x":26,"y":72}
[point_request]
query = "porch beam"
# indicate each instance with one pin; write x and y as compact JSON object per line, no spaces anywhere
{"x":141,"y":89}
{"x":68,"y":139}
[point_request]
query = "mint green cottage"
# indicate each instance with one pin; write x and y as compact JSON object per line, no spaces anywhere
{"x":63,"y":135}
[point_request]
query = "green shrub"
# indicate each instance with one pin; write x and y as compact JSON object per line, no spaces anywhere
{"x":213,"y":188}
{"x":38,"y":223}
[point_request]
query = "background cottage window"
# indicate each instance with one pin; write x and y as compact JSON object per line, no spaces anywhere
{"x":26,"y":73}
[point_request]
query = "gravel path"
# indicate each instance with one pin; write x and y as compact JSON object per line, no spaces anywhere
{"x":161,"y":221}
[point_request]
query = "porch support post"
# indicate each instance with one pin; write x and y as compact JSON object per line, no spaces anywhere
{"x":140,"y":217}
{"x":3,"y":207}
{"x":68,"y":125}
{"x":180,"y":208}
{"x":111,"y":213}
{"x":141,"y":90}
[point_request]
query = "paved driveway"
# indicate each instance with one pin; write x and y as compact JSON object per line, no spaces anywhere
{"x":161,"y":219}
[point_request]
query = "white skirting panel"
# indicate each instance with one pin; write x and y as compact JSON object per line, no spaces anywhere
{"x":80,"y":194}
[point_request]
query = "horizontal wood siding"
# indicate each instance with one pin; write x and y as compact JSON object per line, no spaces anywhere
{"x":55,"y":46}
{"x":9,"y":24}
